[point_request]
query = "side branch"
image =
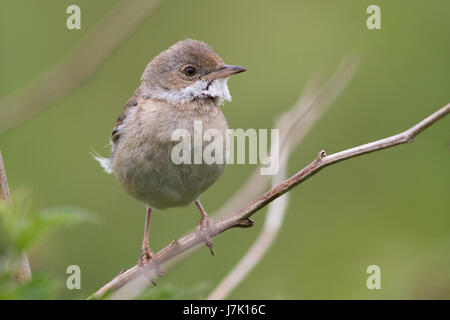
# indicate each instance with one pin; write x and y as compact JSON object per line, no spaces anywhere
{"x":242,"y":217}
{"x":23,"y":272}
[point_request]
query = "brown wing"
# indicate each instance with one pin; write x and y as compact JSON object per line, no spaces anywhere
{"x":131,"y":103}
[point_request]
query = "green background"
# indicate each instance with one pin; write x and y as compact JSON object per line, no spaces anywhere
{"x":389,"y":208}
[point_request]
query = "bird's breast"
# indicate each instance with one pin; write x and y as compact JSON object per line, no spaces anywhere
{"x":146,"y":160}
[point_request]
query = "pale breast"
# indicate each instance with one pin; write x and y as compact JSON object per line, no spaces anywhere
{"x":143,"y":162}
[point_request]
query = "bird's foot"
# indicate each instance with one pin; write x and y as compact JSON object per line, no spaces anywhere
{"x":204,"y":228}
{"x":149,"y":264}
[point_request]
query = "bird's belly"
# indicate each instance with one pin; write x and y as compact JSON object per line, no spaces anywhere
{"x":157,"y":181}
{"x":142,"y":158}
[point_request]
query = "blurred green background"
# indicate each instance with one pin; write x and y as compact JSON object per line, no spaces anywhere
{"x":389,"y":208}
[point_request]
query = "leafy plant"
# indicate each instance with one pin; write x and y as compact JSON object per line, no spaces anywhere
{"x":22,"y":227}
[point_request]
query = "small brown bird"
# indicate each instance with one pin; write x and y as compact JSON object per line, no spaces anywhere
{"x":182,"y":85}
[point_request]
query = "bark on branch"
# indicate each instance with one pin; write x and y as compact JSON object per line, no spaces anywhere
{"x":241,"y":218}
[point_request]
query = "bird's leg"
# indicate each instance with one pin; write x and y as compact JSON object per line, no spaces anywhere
{"x":205,"y":226}
{"x":147,"y":254}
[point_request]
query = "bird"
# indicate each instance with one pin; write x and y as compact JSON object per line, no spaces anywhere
{"x":184,"y":84}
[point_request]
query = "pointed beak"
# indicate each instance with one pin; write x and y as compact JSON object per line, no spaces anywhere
{"x":226,"y":71}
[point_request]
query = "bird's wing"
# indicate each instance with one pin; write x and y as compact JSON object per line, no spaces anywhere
{"x":127,"y":110}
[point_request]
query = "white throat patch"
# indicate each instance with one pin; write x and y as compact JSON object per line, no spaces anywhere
{"x":217,"y":88}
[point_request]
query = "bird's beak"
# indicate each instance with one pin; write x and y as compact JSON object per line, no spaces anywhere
{"x":226,"y":71}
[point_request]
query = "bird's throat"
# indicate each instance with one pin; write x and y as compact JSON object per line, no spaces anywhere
{"x":207,"y":91}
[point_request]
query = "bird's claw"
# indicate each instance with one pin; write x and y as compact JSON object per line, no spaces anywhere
{"x":147,"y":262}
{"x":204,"y":228}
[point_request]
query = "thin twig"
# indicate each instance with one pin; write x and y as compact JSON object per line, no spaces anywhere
{"x":241,"y":218}
{"x":23,"y":272}
{"x":81,"y":62}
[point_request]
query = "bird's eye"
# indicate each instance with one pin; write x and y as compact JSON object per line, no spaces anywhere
{"x":189,"y":71}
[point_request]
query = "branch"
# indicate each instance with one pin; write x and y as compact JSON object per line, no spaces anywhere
{"x":241,"y":218}
{"x":23,"y":271}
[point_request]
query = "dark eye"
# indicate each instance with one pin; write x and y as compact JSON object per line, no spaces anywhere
{"x":189,"y":71}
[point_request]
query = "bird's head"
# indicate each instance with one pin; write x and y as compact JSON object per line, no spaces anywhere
{"x":189,"y":70}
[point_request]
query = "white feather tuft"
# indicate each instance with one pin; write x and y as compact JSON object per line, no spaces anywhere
{"x":201,"y":88}
{"x":105,"y":163}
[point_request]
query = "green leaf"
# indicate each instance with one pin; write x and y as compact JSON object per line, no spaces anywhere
{"x":40,"y":287}
{"x":47,"y":221}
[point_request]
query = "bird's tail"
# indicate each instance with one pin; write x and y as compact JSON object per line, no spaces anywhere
{"x":105,"y":163}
